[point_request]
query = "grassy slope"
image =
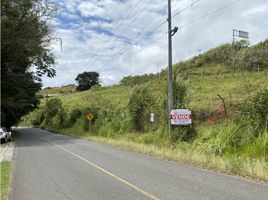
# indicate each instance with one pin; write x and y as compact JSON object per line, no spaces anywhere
{"x":234,"y":87}
{"x":205,"y":83}
{"x":204,"y":87}
{"x":4,"y":178}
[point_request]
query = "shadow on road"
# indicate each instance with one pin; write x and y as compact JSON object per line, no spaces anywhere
{"x":36,"y":137}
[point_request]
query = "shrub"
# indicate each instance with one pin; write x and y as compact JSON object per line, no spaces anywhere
{"x":260,"y":112}
{"x":38,"y":118}
{"x":255,"y":111}
{"x":180,"y":100}
{"x":85,"y":123}
{"x":59,"y":119}
{"x":139,"y":105}
{"x":75,"y":115}
{"x":52,"y":107}
{"x":256,"y":57}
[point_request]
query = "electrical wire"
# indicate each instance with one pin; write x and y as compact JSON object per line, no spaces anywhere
{"x":186,"y":8}
{"x":117,"y":27}
{"x":123,"y":50}
{"x":209,"y":14}
{"x":190,"y":22}
{"x":134,"y":17}
{"x":160,"y":25}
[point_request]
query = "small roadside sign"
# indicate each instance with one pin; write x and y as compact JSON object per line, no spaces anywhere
{"x":181,"y":117}
{"x":152,"y":117}
{"x":90,"y":116}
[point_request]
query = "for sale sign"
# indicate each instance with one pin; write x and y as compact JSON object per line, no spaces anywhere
{"x":180,"y":117}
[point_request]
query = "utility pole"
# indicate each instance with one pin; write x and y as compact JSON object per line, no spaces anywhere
{"x":170,"y":95}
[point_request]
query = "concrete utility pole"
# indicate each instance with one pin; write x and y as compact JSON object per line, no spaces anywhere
{"x":170,"y":95}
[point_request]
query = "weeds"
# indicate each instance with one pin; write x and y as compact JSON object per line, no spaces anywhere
{"x":235,"y":143}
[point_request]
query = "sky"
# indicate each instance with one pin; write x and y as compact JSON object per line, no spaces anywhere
{"x":118,"y":38}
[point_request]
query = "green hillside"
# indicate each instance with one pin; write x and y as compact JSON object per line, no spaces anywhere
{"x":226,"y":88}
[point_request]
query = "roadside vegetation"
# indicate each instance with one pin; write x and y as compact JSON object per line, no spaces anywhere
{"x":5,"y":171}
{"x":25,"y":56}
{"x":226,"y":89}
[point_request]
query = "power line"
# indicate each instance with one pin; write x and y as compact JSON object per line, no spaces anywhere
{"x":208,"y":14}
{"x":134,"y":18}
{"x":160,"y":25}
{"x":123,"y":50}
{"x":136,"y":15}
{"x":186,"y":8}
{"x":191,"y":21}
{"x":117,"y":27}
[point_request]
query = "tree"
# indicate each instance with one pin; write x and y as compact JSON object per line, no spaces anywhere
{"x":86,"y":80}
{"x":26,"y":40}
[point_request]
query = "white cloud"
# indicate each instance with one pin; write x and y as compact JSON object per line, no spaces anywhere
{"x":93,"y":44}
{"x":255,"y":10}
{"x":90,"y":9}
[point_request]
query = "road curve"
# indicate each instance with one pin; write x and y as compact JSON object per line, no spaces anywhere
{"x":56,"y":167}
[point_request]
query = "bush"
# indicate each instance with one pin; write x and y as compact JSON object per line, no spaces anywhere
{"x":52,"y":107}
{"x":180,"y":100}
{"x":256,"y":57}
{"x":38,"y":118}
{"x":85,"y":123}
{"x":59,"y":119}
{"x":75,"y":115}
{"x":140,"y":105}
{"x":255,"y":111}
{"x":260,"y":112}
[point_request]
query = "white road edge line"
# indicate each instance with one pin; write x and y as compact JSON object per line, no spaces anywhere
{"x":106,"y":172}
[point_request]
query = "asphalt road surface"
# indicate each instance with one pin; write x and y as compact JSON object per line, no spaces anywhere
{"x":51,"y":167}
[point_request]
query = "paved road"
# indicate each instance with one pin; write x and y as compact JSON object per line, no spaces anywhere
{"x":52,"y":167}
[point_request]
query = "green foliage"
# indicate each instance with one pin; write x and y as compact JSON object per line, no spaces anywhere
{"x":59,"y":119}
{"x":25,"y":41}
{"x":38,"y":118}
{"x":86,"y":80}
{"x":255,"y":111}
{"x":180,"y":101}
{"x":136,"y":80}
{"x":75,"y":115}
{"x":140,"y":104}
{"x":257,"y":148}
{"x":121,"y":110}
{"x":180,"y":91}
{"x":237,"y":144}
{"x":259,"y":112}
{"x":218,"y":55}
{"x":52,"y":108}
{"x":256,"y":57}
{"x":5,"y":167}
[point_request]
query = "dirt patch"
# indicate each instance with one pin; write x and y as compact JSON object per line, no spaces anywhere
{"x":7,"y":151}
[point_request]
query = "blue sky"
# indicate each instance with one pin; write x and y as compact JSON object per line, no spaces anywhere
{"x":119,"y":38}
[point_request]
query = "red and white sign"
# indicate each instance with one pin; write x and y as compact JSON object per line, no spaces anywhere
{"x":180,"y":117}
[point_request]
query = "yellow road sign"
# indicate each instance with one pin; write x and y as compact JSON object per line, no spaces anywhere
{"x":90,"y":116}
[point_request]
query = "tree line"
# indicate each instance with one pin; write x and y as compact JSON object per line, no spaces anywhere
{"x":25,"y":55}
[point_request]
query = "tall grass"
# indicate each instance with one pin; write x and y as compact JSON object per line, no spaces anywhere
{"x":233,"y":144}
{"x":159,"y":146}
{"x":5,"y":171}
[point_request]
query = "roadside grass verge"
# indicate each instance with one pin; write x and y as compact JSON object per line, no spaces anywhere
{"x":5,"y":171}
{"x":185,"y":153}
